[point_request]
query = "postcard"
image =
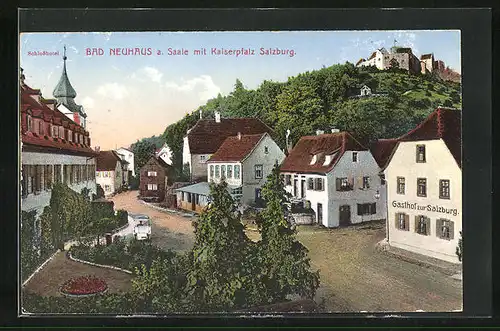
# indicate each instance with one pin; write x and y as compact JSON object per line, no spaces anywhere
{"x":241,"y":172}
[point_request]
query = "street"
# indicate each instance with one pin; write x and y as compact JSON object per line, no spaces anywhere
{"x":354,"y":275}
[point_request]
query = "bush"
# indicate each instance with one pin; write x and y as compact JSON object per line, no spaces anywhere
{"x":122,"y":217}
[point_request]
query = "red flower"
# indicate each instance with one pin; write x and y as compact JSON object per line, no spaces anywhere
{"x":84,"y":285}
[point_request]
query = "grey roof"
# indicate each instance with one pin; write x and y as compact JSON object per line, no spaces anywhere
{"x":202,"y":188}
{"x":63,"y":88}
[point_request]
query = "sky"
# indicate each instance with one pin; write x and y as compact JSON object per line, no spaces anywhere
{"x":129,"y":97}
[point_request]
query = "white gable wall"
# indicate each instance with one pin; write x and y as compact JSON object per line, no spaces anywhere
{"x":439,"y":164}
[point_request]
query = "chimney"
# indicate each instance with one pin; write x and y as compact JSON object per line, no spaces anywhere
{"x":318,"y":132}
{"x":217,"y":117}
{"x":335,"y":130}
{"x":239,"y":135}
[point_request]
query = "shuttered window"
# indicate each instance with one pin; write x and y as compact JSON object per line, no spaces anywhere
{"x":421,"y":187}
{"x":422,"y":225}
{"x":444,"y":189}
{"x":310,"y":184}
{"x":401,"y":185}
{"x":344,"y":183}
{"x":402,"y":221}
{"x":445,"y":229}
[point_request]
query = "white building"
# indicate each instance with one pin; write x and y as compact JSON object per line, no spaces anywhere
{"x":337,"y":177}
{"x":380,"y":58}
{"x":165,"y":153}
{"x":54,"y":149}
{"x":109,"y":172}
{"x":424,"y":187}
{"x":127,"y":155}
{"x":207,"y":135}
{"x":244,"y":162}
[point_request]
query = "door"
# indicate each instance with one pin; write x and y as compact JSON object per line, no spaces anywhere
{"x":319,"y":214}
{"x":295,"y":188}
{"x":303,"y":188}
{"x":258,"y":197}
{"x":344,"y":215}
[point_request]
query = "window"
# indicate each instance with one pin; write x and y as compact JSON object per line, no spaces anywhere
{"x":55,"y":131}
{"x":211,"y":171}
{"x":223,"y":171}
{"x":288,"y":179}
{"x":366,"y":182}
{"x":152,"y":187}
{"x":70,"y":135}
{"x":151,"y":173}
{"x":29,"y":122}
{"x":319,"y":184}
{"x":401,"y":185}
{"x":445,"y":229}
{"x":382,"y":179}
{"x":421,"y":187}
{"x":217,"y":171}
{"x":61,"y":132}
{"x":354,"y":156}
{"x":40,"y":128}
{"x":236,"y":172}
{"x":314,"y":159}
{"x":422,"y":225}
{"x":203,"y":158}
{"x":48,"y":177}
{"x":107,"y":188}
{"x":310,"y":184}
{"x":420,"y":153}
{"x":237,"y":191}
{"x":258,"y":171}
{"x":402,"y":222}
{"x":367,"y":208}
{"x":266,"y":150}
{"x":444,"y":188}
{"x":343,"y":184}
{"x":229,"y":171}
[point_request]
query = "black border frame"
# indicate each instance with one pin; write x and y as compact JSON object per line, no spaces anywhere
{"x":476,"y":34}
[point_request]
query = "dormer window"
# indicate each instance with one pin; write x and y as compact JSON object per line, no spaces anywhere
{"x":29,"y":122}
{"x":314,"y":159}
{"x":354,"y":156}
{"x":328,"y":159}
{"x":266,"y":150}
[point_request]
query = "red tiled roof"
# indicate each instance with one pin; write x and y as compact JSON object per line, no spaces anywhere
{"x":382,"y":150}
{"x":443,"y":123}
{"x":41,"y":110}
{"x":234,"y":149}
{"x":207,"y":135}
{"x":360,"y":60}
{"x":106,"y":161}
{"x":372,"y":56}
{"x":301,"y":155}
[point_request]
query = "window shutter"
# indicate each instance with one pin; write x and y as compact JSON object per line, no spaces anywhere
{"x":396,"y":223}
{"x":428,"y":226}
{"x":416,"y":224}
{"x":452,"y":230}
{"x":407,"y":222}
{"x":416,"y":154}
{"x":374,"y":208}
{"x":438,"y":228}
{"x":337,"y":184}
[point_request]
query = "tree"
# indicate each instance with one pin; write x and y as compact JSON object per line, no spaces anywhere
{"x":293,"y":274}
{"x":143,"y":151}
{"x":459,"y":250}
{"x":217,"y":273}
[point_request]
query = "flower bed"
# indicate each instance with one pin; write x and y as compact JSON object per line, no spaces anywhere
{"x":84,"y":285}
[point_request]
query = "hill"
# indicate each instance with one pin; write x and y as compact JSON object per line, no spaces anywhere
{"x":323,"y":99}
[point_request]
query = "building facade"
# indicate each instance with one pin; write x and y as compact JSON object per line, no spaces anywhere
{"x":154,"y":180}
{"x":109,"y":172}
{"x":244,"y":162}
{"x":337,"y":177}
{"x":207,"y":135}
{"x":401,"y":57}
{"x":424,"y":187}
{"x":127,"y":155}
{"x":54,"y":149}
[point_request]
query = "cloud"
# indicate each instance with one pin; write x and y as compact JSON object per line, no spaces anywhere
{"x":88,"y":102}
{"x":202,"y":85}
{"x":148,"y":72}
{"x":113,"y":91}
